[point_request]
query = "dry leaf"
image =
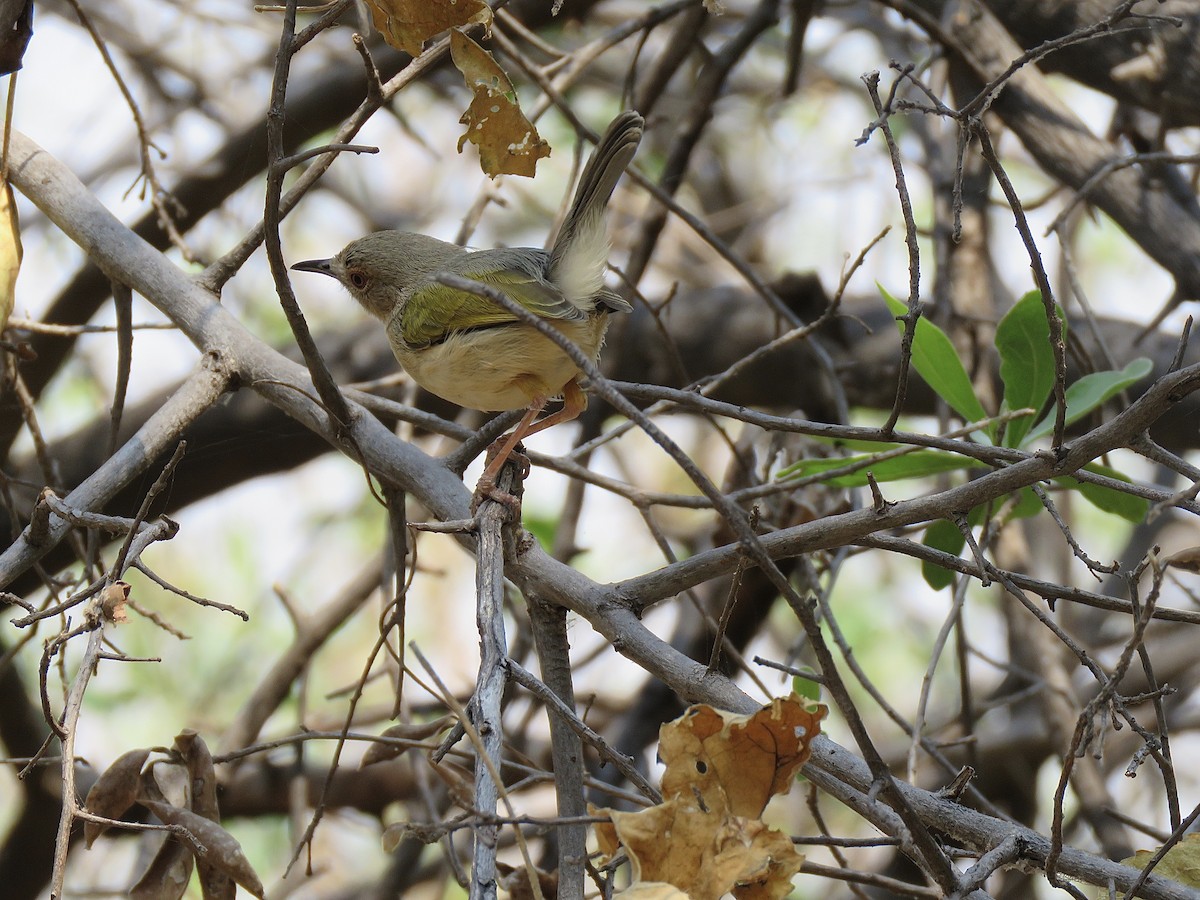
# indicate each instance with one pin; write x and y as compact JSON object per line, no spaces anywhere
{"x":198,"y":760}
{"x":215,"y":883}
{"x":459,"y":781}
{"x":738,"y":762}
{"x":167,"y":876}
{"x":706,"y":853}
{"x":224,"y":852}
{"x":1188,"y":560}
{"x":426,"y":833}
{"x":114,"y":792}
{"x":10,"y":253}
{"x":410,"y":731}
{"x":652,"y":890}
{"x":113,"y":599}
{"x":706,"y":839}
{"x":16,"y":28}
{"x":515,"y":880}
{"x":507,"y":141}
{"x":169,"y":782}
{"x":1181,"y":863}
{"x":408,"y":24}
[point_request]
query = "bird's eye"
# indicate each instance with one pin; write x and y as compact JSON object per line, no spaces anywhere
{"x":357,"y":279}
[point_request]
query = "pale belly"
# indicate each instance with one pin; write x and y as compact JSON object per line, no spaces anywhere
{"x":508,"y":367}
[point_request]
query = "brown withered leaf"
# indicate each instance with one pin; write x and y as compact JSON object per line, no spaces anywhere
{"x":459,"y":781}
{"x":114,"y":792}
{"x":706,"y":853}
{"x":165,"y":779}
{"x":516,"y":880}
{"x":408,"y":731}
{"x":1188,"y":559}
{"x":167,"y":876}
{"x":199,"y":763}
{"x":507,"y":141}
{"x":224,"y":852}
{"x":215,"y":882}
{"x":706,"y":838}
{"x":737,"y":763}
{"x":426,"y":833}
{"x":408,"y":24}
{"x":113,"y":600}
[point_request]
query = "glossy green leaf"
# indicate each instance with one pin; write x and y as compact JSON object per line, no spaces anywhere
{"x":917,"y":464}
{"x":1090,"y":391}
{"x":1026,"y":361}
{"x":936,"y":361}
{"x":1127,"y":506}
{"x":941,"y":535}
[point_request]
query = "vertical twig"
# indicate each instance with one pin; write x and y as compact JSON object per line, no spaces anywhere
{"x":871,"y":80}
{"x":335,"y":404}
{"x":489,"y":687}
{"x":549,"y":622}
{"x":123,"y":305}
{"x":1040,"y":278}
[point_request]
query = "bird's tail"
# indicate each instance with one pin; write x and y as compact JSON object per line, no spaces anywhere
{"x":580,"y":253}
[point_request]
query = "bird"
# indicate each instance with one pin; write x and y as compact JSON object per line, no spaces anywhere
{"x":472,"y":351}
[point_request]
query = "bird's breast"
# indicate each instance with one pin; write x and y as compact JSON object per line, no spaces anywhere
{"x":502,"y":367}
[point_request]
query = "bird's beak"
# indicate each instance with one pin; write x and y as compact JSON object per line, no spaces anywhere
{"x":315,"y":265}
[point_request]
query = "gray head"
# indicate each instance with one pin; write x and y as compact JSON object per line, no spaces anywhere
{"x":381,"y":269}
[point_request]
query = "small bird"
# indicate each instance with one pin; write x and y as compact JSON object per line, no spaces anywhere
{"x":468,"y":349}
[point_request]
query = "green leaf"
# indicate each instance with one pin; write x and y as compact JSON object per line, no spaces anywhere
{"x":1090,"y":391}
{"x":806,"y":687}
{"x":935,"y":359}
{"x":917,"y":464}
{"x":1026,"y":361}
{"x":1127,"y":506}
{"x":941,"y":535}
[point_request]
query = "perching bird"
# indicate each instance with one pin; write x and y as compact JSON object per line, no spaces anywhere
{"x":468,"y":349}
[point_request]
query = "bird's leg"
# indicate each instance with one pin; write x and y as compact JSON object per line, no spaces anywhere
{"x":574,"y":403}
{"x":498,"y":457}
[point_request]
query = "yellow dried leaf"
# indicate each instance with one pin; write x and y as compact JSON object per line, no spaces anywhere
{"x":507,"y":141}
{"x":737,"y":763}
{"x":408,"y":24}
{"x":706,"y":853}
{"x":606,"y":833}
{"x":1188,"y":560}
{"x":10,"y":253}
{"x":1181,"y":863}
{"x":706,"y":838}
{"x":652,"y":890}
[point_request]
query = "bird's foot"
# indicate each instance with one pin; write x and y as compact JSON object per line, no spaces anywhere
{"x":488,"y":489}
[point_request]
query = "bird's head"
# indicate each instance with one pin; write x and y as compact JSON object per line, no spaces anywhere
{"x":381,"y":269}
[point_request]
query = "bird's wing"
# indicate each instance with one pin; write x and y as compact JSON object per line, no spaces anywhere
{"x":435,"y":311}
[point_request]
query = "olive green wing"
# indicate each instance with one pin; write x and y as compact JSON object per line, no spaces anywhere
{"x":435,"y":311}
